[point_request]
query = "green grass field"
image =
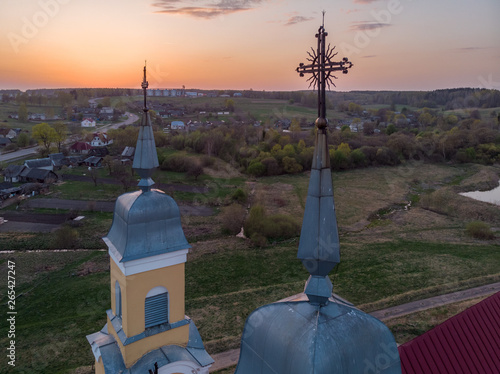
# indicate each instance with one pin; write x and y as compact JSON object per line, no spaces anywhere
{"x":406,"y":256}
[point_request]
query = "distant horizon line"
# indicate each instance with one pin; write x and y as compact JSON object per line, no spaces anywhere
{"x":246,"y":90}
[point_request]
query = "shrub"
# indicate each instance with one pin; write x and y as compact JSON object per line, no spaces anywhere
{"x":277,"y":226}
{"x":291,"y":166}
{"x":256,"y":168}
{"x":65,"y":237}
{"x":194,"y":170}
{"x":258,"y":240}
{"x":232,"y":218}
{"x":176,"y":163}
{"x":479,"y":230}
{"x":207,"y":161}
{"x":239,"y":195}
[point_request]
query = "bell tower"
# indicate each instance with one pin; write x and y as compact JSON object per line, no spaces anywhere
{"x":147,"y":247}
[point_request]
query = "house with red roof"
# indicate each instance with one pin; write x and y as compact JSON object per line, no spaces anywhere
{"x":466,"y":343}
{"x":80,"y":148}
{"x":100,"y":139}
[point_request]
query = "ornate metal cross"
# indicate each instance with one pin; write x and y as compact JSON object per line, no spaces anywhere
{"x":321,"y":67}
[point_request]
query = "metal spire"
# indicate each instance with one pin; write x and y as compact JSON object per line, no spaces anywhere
{"x":145,"y":157}
{"x":319,"y":248}
{"x":144,"y":86}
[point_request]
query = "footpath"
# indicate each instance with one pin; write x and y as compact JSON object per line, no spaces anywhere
{"x":230,"y":358}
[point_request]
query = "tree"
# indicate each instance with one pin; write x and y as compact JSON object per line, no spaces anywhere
{"x":108,"y":161}
{"x":44,"y":135}
{"x":230,"y":105}
{"x":391,"y":129}
{"x":194,"y":170}
{"x":22,"y":113}
{"x":61,"y":134}
{"x":106,"y":101}
{"x":23,"y":140}
{"x":291,"y":166}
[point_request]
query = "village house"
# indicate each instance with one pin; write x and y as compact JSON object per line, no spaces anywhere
{"x":38,"y":176}
{"x":177,"y":125}
{"x":40,"y":163}
{"x":4,"y":142}
{"x":12,"y":173}
{"x":88,"y":122}
{"x":81,"y":148}
{"x":93,"y":161}
{"x":100,"y":139}
{"x":7,"y":133}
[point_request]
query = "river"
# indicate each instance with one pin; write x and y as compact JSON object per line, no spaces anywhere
{"x":491,"y":196}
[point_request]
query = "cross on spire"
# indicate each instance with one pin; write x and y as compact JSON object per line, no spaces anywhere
{"x":319,"y":246}
{"x":321,"y":67}
{"x":144,"y":86}
{"x":145,"y":157}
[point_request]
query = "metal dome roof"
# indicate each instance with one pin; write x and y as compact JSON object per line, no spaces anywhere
{"x":303,"y":338}
{"x":145,"y":223}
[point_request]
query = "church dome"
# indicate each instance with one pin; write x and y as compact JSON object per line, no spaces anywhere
{"x":302,"y":338}
{"x":145,"y":223}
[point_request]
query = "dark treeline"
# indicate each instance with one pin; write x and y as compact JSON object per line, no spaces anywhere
{"x":454,"y":98}
{"x":262,"y":150}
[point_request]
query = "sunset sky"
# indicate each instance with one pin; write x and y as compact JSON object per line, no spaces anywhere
{"x":243,"y":44}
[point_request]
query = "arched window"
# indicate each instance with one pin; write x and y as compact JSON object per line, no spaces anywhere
{"x":156,"y":307}
{"x":118,"y":300}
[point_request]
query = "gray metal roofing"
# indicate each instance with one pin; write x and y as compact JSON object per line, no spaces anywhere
{"x":113,"y":361}
{"x":128,"y":151}
{"x":13,"y":170}
{"x":39,"y":173}
{"x":145,"y":157}
{"x":145,"y":224}
{"x":301,"y":338}
{"x":38,"y":163}
{"x":93,"y":160}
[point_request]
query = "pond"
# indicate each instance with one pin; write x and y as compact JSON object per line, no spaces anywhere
{"x":491,"y":196}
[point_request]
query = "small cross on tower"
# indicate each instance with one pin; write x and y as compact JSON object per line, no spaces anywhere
{"x":321,"y":67}
{"x":145,"y":86}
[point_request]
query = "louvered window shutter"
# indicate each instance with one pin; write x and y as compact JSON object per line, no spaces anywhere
{"x":156,"y":309}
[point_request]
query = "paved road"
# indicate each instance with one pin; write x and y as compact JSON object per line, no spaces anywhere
{"x":18,"y":154}
{"x":230,"y":358}
{"x":34,"y":150}
{"x":105,"y":206}
{"x":130,"y":120}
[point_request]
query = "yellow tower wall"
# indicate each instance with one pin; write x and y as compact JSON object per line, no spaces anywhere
{"x":134,"y":289}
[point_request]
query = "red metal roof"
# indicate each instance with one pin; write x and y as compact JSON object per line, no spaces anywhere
{"x":81,"y":146}
{"x":466,"y":343}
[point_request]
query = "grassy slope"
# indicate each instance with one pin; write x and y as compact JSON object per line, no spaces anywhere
{"x":383,"y":264}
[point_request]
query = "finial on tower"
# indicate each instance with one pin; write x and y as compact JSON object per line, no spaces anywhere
{"x":321,"y":66}
{"x":144,"y":86}
{"x":145,"y":157}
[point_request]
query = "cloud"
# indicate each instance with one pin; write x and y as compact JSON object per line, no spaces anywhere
{"x":365,"y":25}
{"x":469,"y":49}
{"x":364,"y":1}
{"x":204,"y":8}
{"x":348,"y":11}
{"x":297,"y":19}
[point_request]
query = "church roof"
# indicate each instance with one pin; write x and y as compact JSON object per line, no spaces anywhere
{"x":468,"y":342}
{"x":302,"y":338}
{"x":104,"y":345}
{"x":147,"y":222}
{"x":321,"y":335}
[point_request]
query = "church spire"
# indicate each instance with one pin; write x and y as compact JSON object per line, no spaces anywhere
{"x":319,"y":248}
{"x":145,"y":157}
